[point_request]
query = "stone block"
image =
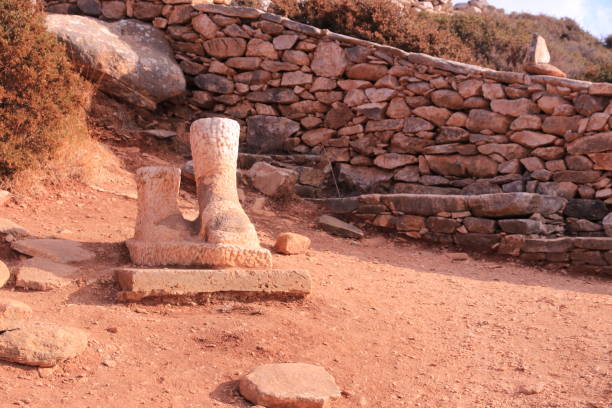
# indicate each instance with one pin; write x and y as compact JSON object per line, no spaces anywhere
{"x":478,"y":242}
{"x":514,"y":205}
{"x":139,"y":284}
{"x":542,"y":245}
{"x":522,"y":227}
{"x":425,"y":205}
{"x":195,"y":253}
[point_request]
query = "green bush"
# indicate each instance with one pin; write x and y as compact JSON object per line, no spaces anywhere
{"x":493,"y":40}
{"x":40,"y":92}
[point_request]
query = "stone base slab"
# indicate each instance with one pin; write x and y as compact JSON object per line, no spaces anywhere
{"x":186,"y":253}
{"x":201,"y":285}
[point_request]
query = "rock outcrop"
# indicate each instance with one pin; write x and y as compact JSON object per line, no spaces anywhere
{"x":129,"y":59}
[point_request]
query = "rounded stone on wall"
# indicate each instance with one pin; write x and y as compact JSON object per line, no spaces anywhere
{"x":607,"y":224}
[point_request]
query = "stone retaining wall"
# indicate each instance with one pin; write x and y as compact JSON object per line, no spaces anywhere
{"x":528,"y":226}
{"x":388,"y":121}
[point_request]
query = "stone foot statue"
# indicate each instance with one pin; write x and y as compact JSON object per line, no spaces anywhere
{"x":223,"y":235}
{"x":214,"y":146}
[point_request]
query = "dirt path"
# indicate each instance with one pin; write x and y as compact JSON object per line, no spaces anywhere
{"x":397,"y":324}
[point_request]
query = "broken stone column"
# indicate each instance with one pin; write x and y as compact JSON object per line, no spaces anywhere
{"x":159,"y":217}
{"x":214,"y":146}
{"x":537,"y":60}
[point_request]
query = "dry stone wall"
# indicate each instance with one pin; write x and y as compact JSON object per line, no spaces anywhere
{"x":390,"y":121}
{"x":387,"y":121}
{"x":523,"y":225}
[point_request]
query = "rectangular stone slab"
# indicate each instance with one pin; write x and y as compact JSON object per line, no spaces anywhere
{"x":188,"y":253}
{"x":198,"y":284}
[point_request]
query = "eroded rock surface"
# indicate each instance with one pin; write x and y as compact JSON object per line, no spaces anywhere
{"x":41,"y":344}
{"x":290,"y":385}
{"x":129,"y":59}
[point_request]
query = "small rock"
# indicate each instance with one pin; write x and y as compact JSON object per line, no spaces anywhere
{"x":41,"y":344}
{"x":272,"y":181}
{"x":259,"y":207}
{"x":159,"y":133}
{"x":5,"y":274}
{"x":109,"y":363}
{"x":531,"y":389}
{"x":13,"y":310}
{"x":538,"y":51}
{"x":458,"y":256}
{"x":289,"y":385}
{"x":5,"y":197}
{"x":337,"y":227}
{"x":113,"y":330}
{"x":289,"y":243}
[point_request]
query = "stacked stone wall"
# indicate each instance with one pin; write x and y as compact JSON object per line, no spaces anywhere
{"x":385,"y":120}
{"x":526,"y":226}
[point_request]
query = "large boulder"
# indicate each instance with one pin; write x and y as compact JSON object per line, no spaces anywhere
{"x":129,"y":59}
{"x":41,"y":344}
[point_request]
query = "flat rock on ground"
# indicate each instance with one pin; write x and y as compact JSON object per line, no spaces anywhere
{"x":41,"y":344}
{"x":289,"y":385}
{"x":43,"y":274}
{"x":56,"y":250}
{"x":338,"y":227}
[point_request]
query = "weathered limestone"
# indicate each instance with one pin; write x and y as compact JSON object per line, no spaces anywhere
{"x":200,"y":284}
{"x":289,"y":385}
{"x":43,"y":274}
{"x":338,"y":227}
{"x":289,"y":243}
{"x":56,"y":250}
{"x":223,"y":234}
{"x":41,"y":344}
{"x":537,"y":60}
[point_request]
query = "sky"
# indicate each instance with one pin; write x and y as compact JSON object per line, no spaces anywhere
{"x":595,"y":16}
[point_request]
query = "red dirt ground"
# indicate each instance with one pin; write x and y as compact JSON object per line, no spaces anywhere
{"x":398,"y":324}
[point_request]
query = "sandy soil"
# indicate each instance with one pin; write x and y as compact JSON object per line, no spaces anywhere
{"x":397,"y":323}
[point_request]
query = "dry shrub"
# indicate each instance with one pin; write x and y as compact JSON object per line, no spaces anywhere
{"x":493,"y":40}
{"x":41,"y":95}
